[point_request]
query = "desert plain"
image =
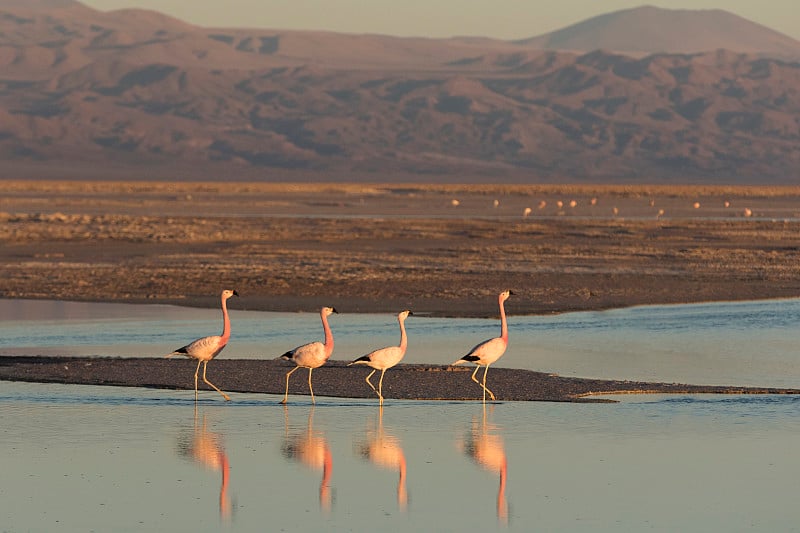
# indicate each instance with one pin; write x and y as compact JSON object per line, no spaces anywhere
{"x":443,"y":250}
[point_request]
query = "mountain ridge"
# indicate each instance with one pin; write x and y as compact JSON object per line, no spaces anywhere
{"x":127,"y":90}
{"x":650,"y":30}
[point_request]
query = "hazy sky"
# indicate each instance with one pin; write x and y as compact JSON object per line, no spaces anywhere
{"x":505,"y":19}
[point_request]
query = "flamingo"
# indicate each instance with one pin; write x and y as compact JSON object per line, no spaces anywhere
{"x":489,"y":351}
{"x":312,"y":355}
{"x":488,"y":451}
{"x":385,"y":451}
{"x":205,"y":349}
{"x":206,"y":449}
{"x":385,"y":358}
{"x":313,"y":451}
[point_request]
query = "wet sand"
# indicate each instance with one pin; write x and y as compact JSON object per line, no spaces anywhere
{"x":417,"y":382}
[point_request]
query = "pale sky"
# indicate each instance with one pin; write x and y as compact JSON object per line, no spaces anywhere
{"x":504,"y":19}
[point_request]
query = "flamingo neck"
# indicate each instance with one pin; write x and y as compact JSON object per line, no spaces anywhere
{"x":325,"y":484}
{"x":328,"y":335}
{"x":327,"y":467}
{"x":402,"y":492}
{"x":226,"y":469}
{"x":226,"y":322}
{"x":502,"y":508}
{"x":403,"y":336}
{"x":503,"y":323}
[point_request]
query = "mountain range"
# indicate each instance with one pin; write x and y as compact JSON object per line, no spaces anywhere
{"x":645,"y":94}
{"x":653,"y":30}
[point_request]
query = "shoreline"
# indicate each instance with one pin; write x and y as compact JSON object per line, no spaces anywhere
{"x":405,"y":381}
{"x":289,"y":307}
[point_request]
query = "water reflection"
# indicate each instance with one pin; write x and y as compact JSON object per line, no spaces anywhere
{"x":383,"y":449}
{"x":66,"y":448}
{"x":206,"y":449}
{"x":484,"y":445}
{"x":311,"y":449}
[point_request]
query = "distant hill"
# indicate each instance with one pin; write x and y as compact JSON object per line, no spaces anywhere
{"x":653,"y":30}
{"x":135,"y":93}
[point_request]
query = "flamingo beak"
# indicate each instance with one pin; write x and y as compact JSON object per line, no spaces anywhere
{"x":235,"y":293}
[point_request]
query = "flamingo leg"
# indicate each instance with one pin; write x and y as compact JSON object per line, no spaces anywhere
{"x":196,"y":371}
{"x":371,"y":386}
{"x":483,"y":385}
{"x":205,"y":365}
{"x":475,"y":380}
{"x":485,"y":390}
{"x":309,"y":386}
{"x":380,"y":386}
{"x":286,"y":395}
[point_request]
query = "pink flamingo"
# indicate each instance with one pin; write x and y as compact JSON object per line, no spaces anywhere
{"x":207,"y":348}
{"x":385,"y":358}
{"x":207,"y":450}
{"x":384,"y":450}
{"x":489,"y":351}
{"x":312,"y":450}
{"x":488,"y":451}
{"x":312,"y":355}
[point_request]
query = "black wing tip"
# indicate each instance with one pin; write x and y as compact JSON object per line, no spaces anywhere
{"x":470,"y":358}
{"x":287,"y":356}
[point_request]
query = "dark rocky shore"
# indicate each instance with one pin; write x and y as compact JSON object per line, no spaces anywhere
{"x":418,"y":382}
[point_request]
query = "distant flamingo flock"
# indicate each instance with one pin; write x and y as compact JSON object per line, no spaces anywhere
{"x":315,"y":354}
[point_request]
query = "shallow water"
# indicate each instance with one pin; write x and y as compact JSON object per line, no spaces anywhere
{"x":80,"y":458}
{"x":743,"y":343}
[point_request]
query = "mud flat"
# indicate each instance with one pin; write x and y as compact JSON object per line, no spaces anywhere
{"x":418,"y":382}
{"x":443,"y":250}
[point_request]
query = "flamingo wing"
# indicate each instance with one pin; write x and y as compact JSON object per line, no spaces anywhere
{"x":387,"y":357}
{"x":204,"y":347}
{"x":487,"y":352}
{"x":382,"y":358}
{"x":309,"y":355}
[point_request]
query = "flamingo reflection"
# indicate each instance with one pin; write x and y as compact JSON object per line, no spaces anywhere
{"x":311,"y":448}
{"x":384,"y":450}
{"x":487,"y":449}
{"x":205,"y":448}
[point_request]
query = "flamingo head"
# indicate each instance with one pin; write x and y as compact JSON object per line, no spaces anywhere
{"x":505,"y":294}
{"x":327,"y":311}
{"x":404,"y":314}
{"x":227,"y":293}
